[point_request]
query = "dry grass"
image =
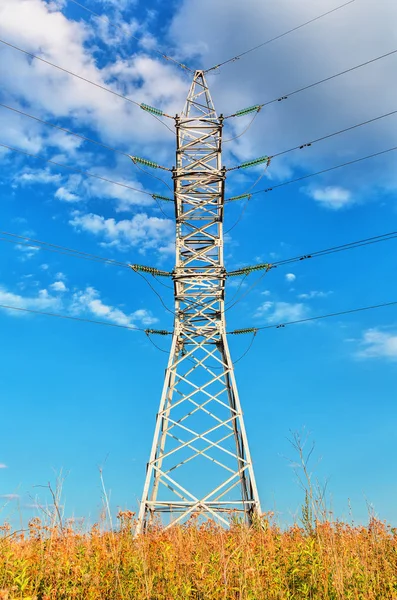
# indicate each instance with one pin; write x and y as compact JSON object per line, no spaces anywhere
{"x":201,"y":562}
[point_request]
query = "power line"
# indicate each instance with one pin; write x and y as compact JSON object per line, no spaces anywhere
{"x":351,"y":162}
{"x":61,"y":249}
{"x":325,"y":137}
{"x":336,"y":314}
{"x":31,"y":242}
{"x":80,"y":172}
{"x":243,"y":132}
{"x":156,"y":293}
{"x":102,"y":87}
{"x":68,"y":131}
{"x":86,"y":139}
{"x":332,"y":250}
{"x":238,"y":56}
{"x":248,"y":192}
{"x":247,"y":350}
{"x":80,"y":319}
{"x":284,"y":97}
{"x":113,"y":24}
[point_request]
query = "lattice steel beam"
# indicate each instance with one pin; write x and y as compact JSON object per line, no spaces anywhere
{"x":200,"y":417}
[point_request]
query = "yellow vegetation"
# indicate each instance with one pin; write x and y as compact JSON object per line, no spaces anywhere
{"x":332,"y":561}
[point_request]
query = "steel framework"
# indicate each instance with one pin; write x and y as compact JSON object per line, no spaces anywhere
{"x":199,"y":418}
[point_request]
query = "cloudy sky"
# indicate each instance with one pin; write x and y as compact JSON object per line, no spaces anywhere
{"x":74,"y":395}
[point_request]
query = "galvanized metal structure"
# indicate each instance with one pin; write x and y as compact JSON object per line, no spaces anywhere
{"x":200,"y":417}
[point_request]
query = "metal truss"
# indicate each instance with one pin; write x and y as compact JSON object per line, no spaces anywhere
{"x":200,"y":460}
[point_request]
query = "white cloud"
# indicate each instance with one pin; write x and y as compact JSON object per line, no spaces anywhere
{"x":42,"y":176}
{"x":290,"y":277}
{"x":64,"y":194}
{"x":266,"y":293}
{"x":3,"y":466}
{"x":60,"y":275}
{"x":378,"y":344}
{"x":124,"y":197}
{"x":279,"y":312}
{"x":44,"y":267}
{"x":314,"y":52}
{"x":10,"y":497}
{"x":331,"y":196}
{"x":40,"y":28}
{"x":27,"y":251}
{"x":89,"y":300}
{"x":58,"y":286}
{"x":42,"y":301}
{"x":142,"y":231}
{"x":314,"y":294}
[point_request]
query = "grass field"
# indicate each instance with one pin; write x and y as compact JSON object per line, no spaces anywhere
{"x":329,"y":560}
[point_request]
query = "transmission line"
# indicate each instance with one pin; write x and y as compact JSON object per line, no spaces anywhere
{"x":245,"y":271}
{"x":102,"y":87}
{"x":247,"y":195}
{"x":384,"y":237}
{"x":113,"y":24}
{"x":325,"y":137}
{"x":80,"y":319}
{"x":80,"y":172}
{"x":86,"y":139}
{"x":68,"y":131}
{"x":164,"y":332}
{"x":306,"y":87}
{"x":61,"y":249}
{"x":320,"y":139}
{"x":278,"y":185}
{"x":335,"y":314}
{"x":277,"y":37}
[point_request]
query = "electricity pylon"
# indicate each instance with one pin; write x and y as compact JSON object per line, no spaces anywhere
{"x":199,"y":418}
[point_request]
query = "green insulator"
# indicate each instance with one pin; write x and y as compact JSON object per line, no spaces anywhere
{"x":163,"y":273}
{"x":144,"y":161}
{"x":246,"y":111}
{"x":151,"y":109}
{"x":260,"y":267}
{"x":250,"y":269}
{"x":157,"y":332}
{"x":158,"y":197}
{"x":241,"y":197}
{"x":253,"y":163}
{"x":242,"y":331}
{"x":151,"y":270}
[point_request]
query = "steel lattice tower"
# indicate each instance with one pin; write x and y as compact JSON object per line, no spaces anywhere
{"x":199,"y":418}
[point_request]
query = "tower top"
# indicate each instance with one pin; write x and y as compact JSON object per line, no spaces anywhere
{"x":199,"y":102}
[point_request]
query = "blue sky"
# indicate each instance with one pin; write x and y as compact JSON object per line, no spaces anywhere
{"x":75,"y":396}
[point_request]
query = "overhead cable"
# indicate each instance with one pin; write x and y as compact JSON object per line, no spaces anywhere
{"x":278,"y":185}
{"x":307,"y":87}
{"x":98,"y":85}
{"x":68,"y":131}
{"x":81,"y":319}
{"x":325,"y":137}
{"x":244,"y":271}
{"x":86,"y":139}
{"x":248,"y":193}
{"x":303,"y":145}
{"x":34,"y":243}
{"x":334,"y":249}
{"x":306,"y":320}
{"x":79,"y":171}
{"x":266,"y":267}
{"x":116,"y":25}
{"x":238,"y":56}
